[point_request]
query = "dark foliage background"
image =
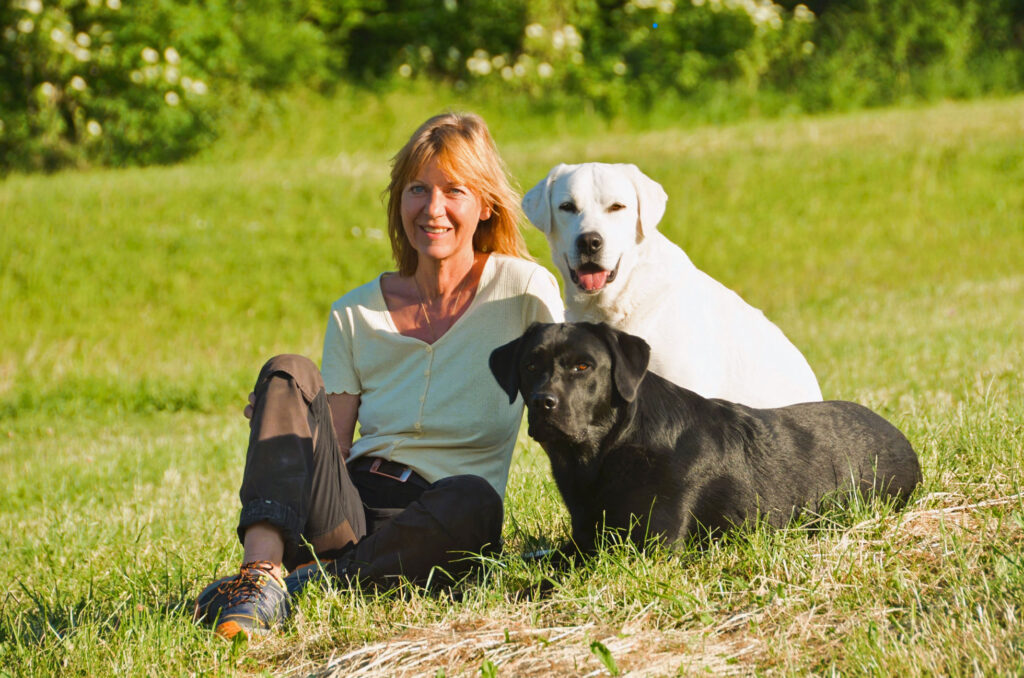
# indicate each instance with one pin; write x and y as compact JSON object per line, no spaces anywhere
{"x":85,"y":82}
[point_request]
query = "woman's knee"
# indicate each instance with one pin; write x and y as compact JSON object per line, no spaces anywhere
{"x":298,"y":369}
{"x":476,"y":504}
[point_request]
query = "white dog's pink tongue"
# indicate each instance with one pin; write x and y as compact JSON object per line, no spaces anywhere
{"x":592,"y":281}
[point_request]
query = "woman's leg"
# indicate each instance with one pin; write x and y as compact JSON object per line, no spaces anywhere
{"x":295,"y":489}
{"x":295,"y":481}
{"x":434,"y":538}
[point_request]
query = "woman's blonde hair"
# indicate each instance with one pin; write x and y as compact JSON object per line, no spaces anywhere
{"x":464,"y":150}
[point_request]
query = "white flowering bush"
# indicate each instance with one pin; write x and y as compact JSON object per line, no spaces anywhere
{"x":138,"y":82}
{"x":81,"y":81}
{"x":611,"y":54}
{"x":607,"y":53}
{"x":436,"y":39}
{"x":144,"y":81}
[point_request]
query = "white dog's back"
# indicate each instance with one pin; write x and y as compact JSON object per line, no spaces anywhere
{"x":703,"y":336}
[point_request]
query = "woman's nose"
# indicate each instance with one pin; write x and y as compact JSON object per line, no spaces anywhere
{"x":435,"y":205}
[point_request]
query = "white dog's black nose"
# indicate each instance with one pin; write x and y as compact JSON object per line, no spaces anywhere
{"x":589,"y":243}
{"x":544,"y":401}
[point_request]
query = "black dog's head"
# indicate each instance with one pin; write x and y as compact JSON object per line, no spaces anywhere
{"x":572,"y":376}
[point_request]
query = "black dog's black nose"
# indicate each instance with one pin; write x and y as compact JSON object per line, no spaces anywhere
{"x":589,"y":243}
{"x":544,"y":401}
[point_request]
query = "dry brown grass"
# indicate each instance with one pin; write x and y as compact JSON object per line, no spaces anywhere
{"x":807,"y":628}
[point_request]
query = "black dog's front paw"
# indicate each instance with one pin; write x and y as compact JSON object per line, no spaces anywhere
{"x":562,"y":557}
{"x":573,"y":551}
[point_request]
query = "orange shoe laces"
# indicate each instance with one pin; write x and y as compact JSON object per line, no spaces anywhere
{"x":252,"y":578}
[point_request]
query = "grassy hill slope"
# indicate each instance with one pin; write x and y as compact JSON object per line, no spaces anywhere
{"x":137,"y":305}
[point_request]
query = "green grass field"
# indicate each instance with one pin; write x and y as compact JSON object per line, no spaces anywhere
{"x":137,"y":305}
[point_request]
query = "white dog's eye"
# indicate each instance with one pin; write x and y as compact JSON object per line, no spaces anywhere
{"x":568,"y":206}
{"x":615,"y":207}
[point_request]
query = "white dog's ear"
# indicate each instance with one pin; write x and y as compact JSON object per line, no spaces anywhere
{"x":651,"y":197}
{"x":537,"y":201}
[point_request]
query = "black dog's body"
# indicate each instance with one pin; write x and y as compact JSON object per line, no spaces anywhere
{"x":630,"y":449}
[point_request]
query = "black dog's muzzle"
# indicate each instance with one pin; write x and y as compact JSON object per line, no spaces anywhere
{"x":542,"y":407}
{"x":545,"y":402}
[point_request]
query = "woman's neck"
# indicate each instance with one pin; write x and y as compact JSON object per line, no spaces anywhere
{"x":439,"y":278}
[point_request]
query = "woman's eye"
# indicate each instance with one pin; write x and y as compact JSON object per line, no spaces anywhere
{"x":416,"y":190}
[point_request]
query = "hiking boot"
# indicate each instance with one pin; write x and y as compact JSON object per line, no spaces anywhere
{"x":316,"y":573}
{"x":251,"y":602}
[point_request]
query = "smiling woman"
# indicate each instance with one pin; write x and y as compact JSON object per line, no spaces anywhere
{"x":405,"y":356}
{"x":460,"y":148}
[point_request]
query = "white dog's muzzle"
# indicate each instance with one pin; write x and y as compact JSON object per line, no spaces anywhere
{"x":590,"y":277}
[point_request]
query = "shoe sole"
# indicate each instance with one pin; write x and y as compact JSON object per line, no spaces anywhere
{"x":229,"y":629}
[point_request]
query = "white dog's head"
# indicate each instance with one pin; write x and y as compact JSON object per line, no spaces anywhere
{"x":594,"y":215}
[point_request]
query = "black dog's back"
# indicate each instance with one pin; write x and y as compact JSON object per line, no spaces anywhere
{"x":813,"y":450}
{"x":725,"y":464}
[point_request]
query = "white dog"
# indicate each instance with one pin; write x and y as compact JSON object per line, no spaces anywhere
{"x":600,"y":221}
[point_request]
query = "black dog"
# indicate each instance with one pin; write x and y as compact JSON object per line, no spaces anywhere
{"x":632,"y":450}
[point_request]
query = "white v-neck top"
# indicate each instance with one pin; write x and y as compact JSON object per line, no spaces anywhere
{"x":436,"y":407}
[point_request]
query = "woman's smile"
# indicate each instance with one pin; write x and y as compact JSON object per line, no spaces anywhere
{"x":436,"y":230}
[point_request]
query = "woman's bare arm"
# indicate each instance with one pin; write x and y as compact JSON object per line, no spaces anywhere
{"x":344,"y":411}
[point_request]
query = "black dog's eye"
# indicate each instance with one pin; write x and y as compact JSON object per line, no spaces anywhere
{"x":615,"y":207}
{"x":581,"y":367}
{"x":568,"y":206}
{"x":531,"y":367}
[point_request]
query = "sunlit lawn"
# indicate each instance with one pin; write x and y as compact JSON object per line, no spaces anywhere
{"x":136,"y":306}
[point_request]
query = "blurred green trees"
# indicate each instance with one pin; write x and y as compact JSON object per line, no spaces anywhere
{"x":147,"y":81}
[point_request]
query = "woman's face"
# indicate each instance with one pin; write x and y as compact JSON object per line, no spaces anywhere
{"x":440,"y":215}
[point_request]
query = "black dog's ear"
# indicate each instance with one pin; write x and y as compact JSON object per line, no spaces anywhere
{"x":630,"y":357}
{"x":504,"y":363}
